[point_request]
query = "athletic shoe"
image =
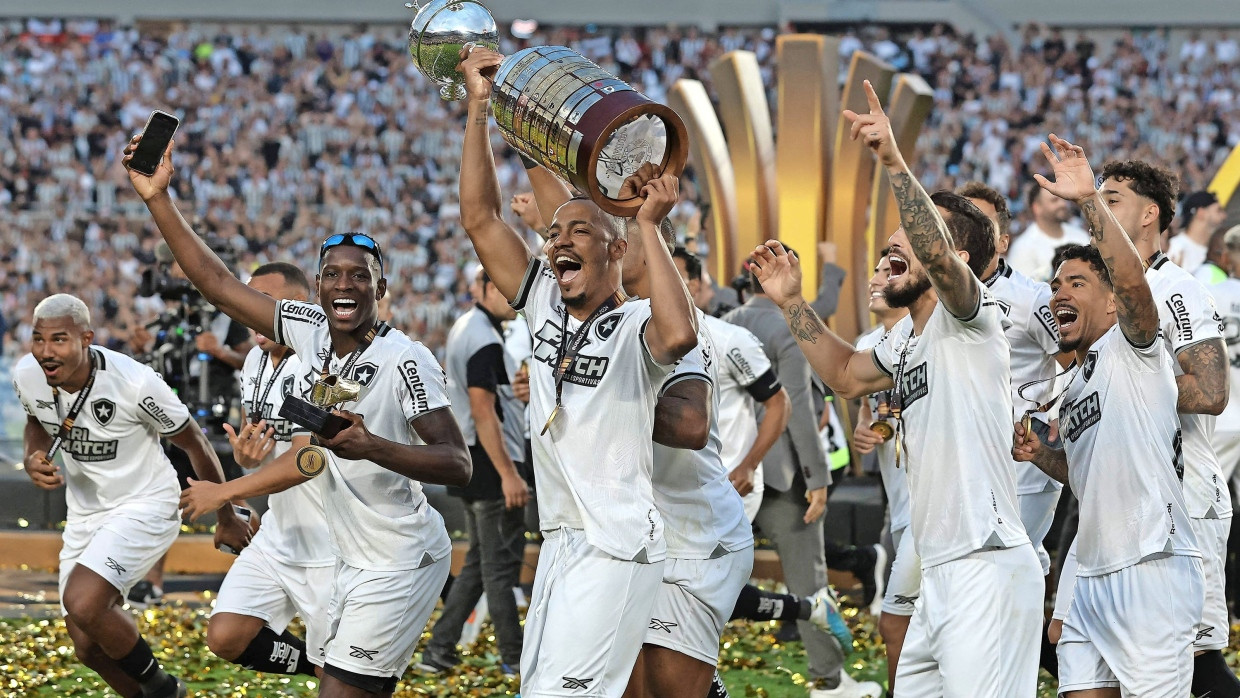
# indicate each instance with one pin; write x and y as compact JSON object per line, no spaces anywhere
{"x":434,"y":664}
{"x":849,"y":688}
{"x":144,"y":595}
{"x":875,"y":583}
{"x":825,"y":613}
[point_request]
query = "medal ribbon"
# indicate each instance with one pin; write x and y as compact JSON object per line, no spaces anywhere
{"x":348,"y":364}
{"x":74,"y":410}
{"x":257,"y":401}
{"x":567,"y":351}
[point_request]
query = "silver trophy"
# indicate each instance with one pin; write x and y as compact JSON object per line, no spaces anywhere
{"x":438,"y":32}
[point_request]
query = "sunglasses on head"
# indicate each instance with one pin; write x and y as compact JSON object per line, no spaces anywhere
{"x":356,"y":240}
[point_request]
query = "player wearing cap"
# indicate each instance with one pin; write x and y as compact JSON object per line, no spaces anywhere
{"x":1121,"y":452}
{"x":976,"y":626}
{"x":104,"y":413}
{"x":600,"y":360}
{"x":289,"y":567}
{"x":392,"y":550}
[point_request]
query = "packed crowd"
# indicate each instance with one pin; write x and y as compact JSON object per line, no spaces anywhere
{"x":292,"y":133}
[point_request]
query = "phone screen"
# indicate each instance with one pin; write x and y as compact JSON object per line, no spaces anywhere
{"x":155,"y":138}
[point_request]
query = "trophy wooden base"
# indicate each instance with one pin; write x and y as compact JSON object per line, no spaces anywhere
{"x":313,"y":417}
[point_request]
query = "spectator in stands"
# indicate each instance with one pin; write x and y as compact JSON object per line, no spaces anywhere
{"x":1200,"y":216}
{"x":1031,"y":252}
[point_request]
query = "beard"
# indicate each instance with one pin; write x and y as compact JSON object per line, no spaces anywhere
{"x":904,"y":297}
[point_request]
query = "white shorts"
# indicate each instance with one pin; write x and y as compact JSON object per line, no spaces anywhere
{"x":375,"y":619}
{"x":1037,"y":512}
{"x":587,"y":618}
{"x":904,"y":584}
{"x":695,"y":601}
{"x":261,"y":586}
{"x":1067,"y":583}
{"x":1227,"y":449}
{"x":1212,"y":540}
{"x":121,"y":545}
{"x":977,"y":628}
{"x":1133,"y":629}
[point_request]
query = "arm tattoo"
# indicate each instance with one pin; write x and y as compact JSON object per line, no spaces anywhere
{"x":1053,"y":462}
{"x":1092,"y":220}
{"x":805,"y":324}
{"x":1204,"y":385}
{"x":928,"y":234}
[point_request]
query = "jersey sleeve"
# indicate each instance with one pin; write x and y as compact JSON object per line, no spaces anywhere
{"x":984,"y":323}
{"x":1041,"y":326}
{"x":298,"y":325}
{"x":534,"y":298}
{"x":1146,"y":359}
{"x":690,"y":367}
{"x":745,"y":360}
{"x":21,"y":397}
{"x":485,"y":368}
{"x":1189,"y":315}
{"x":886,"y":354}
{"x":158,"y":406}
{"x":422,"y":387}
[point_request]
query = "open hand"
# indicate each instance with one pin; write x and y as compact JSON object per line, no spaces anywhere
{"x":874,"y":129}
{"x":156,"y":184}
{"x":252,"y":446}
{"x":1074,"y":178}
{"x":201,"y":497}
{"x":778,"y":271}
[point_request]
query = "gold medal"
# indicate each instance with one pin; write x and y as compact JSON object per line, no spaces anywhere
{"x":311,"y":460}
{"x":883,"y":428}
{"x":554,"y":413}
{"x":1027,"y":423}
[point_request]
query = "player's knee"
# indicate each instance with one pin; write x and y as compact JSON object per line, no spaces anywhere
{"x":225,"y":642}
{"x":1054,"y":630}
{"x":84,"y":610}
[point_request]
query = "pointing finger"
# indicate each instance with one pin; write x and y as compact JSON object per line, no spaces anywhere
{"x":871,"y":96}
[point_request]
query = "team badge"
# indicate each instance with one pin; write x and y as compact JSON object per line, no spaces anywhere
{"x":104,"y":410}
{"x":1091,"y":361}
{"x":606,"y":327}
{"x":286,"y":388}
{"x":365,"y":373}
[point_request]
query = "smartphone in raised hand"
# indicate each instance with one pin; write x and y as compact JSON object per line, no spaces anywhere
{"x":159,"y":130}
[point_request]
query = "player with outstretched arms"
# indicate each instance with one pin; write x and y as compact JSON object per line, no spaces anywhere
{"x":975,"y":629}
{"x":392,"y":549}
{"x":1124,"y":632}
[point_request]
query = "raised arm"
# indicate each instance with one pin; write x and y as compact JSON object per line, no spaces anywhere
{"x":501,"y":249}
{"x":549,"y":192}
{"x":849,"y":373}
{"x":672,"y":331}
{"x":957,"y":287}
{"x":1074,"y":181}
{"x":203,"y":267}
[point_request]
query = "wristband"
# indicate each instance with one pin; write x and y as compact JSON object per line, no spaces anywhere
{"x":529,"y":164}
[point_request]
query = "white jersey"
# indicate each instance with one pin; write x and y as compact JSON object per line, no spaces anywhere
{"x":594,"y":464}
{"x":703,"y":516}
{"x":1187,"y":316}
{"x":895,"y":480}
{"x":1121,"y":437}
{"x":743,"y":372}
{"x":1227,"y":299}
{"x":957,"y":414}
{"x":1034,"y":338}
{"x":112,"y":455}
{"x":295,"y":527}
{"x":379,"y":520}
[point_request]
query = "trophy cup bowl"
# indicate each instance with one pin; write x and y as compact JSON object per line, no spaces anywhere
{"x":438,"y":32}
{"x":585,"y":125}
